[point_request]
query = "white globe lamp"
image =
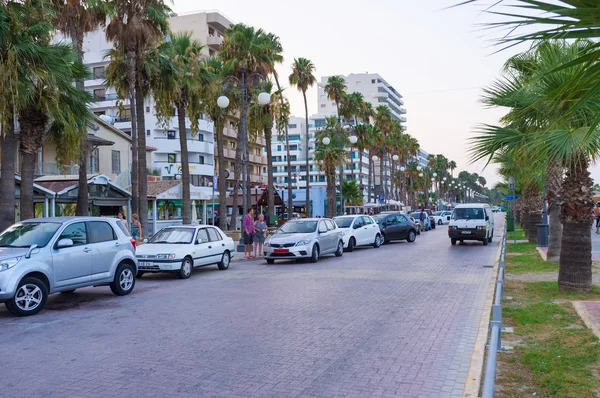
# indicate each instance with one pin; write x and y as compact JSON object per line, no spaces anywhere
{"x":419,"y":168}
{"x":435,"y":174}
{"x":375,"y":158}
{"x":223,"y":102}
{"x":264,"y":98}
{"x":326,"y":141}
{"x":402,"y":168}
{"x":395,"y":157}
{"x":353,"y":139}
{"x":420,"y":174}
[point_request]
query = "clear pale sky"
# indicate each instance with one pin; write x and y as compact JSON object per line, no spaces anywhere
{"x":437,"y":58}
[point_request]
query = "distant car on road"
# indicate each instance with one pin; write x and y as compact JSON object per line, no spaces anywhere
{"x":473,"y":221}
{"x":442,"y":217}
{"x":358,"y":230}
{"x":417,"y":216}
{"x":42,"y":256}
{"x":304,"y":238}
{"x":181,"y":248}
{"x":395,"y":226}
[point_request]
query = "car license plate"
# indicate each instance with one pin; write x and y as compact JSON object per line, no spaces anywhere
{"x":281,"y":250}
{"x":146,"y":264}
{"x":466,"y":232}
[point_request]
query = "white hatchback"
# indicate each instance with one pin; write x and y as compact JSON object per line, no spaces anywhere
{"x":358,"y":230}
{"x":181,"y":248}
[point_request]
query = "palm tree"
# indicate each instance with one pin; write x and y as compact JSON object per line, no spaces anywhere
{"x":180,"y":84}
{"x":303,"y":77}
{"x":336,"y":90}
{"x":383,"y":121}
{"x":352,"y":193}
{"x":75,"y":18}
{"x":133,"y":26}
{"x":362,"y":134}
{"x":452,"y":167}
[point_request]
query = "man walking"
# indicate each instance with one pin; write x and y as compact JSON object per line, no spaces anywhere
{"x":422,"y":219}
{"x":248,"y":229}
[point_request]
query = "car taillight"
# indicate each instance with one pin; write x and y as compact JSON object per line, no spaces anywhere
{"x":134,"y":243}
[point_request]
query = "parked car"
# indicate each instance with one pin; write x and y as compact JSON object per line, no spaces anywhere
{"x":432,"y":220}
{"x":42,"y":256}
{"x":395,"y":226}
{"x":417,"y":216}
{"x":358,"y":230}
{"x":304,"y":238}
{"x":416,"y":224}
{"x":471,"y":222}
{"x":181,"y":248}
{"x":442,"y":217}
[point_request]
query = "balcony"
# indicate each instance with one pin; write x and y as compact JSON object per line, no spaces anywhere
{"x":172,"y":169}
{"x":215,"y":41}
{"x":229,"y":132}
{"x":165,"y":145}
{"x":403,"y":119}
{"x":257,"y":159}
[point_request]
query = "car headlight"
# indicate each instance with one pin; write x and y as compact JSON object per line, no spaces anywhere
{"x":169,"y":256}
{"x":482,"y":227}
{"x":9,"y":263}
{"x":452,"y":227}
{"x":303,"y":242}
{"x":267,"y":244}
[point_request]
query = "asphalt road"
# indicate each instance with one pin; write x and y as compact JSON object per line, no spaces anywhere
{"x":400,"y":320}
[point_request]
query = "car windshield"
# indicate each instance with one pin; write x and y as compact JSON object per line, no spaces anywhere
{"x":437,"y":213}
{"x":298,"y":227}
{"x":27,"y":234}
{"x":379,"y":218}
{"x":173,"y":236}
{"x":467,"y":214}
{"x":343,"y":222}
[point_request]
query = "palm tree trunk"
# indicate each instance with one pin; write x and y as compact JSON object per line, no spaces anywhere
{"x":371,"y":181}
{"x":360,"y":177}
{"x":575,"y":272}
{"x":185,"y":167}
{"x":554,"y":179}
{"x":131,"y":77}
{"x":7,"y":175}
{"x":532,"y":203}
{"x":381,"y":174}
{"x":331,"y":192}
{"x":308,"y":209}
{"x":33,"y":124}
{"x":82,"y":207}
{"x":236,"y":180}
{"x":270,"y":185}
{"x":142,"y":166}
{"x":287,"y":142}
{"x":222,"y":181}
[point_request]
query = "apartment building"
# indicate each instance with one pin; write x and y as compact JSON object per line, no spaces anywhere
{"x":208,"y":28}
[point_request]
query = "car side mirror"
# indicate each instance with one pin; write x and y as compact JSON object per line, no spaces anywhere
{"x":357,"y":226}
{"x":487,"y":218}
{"x":201,"y":241}
{"x":145,"y":240}
{"x":64,"y":243}
{"x":448,"y":218}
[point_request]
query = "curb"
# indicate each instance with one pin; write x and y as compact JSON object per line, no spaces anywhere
{"x":475,"y":372}
{"x":586,"y":317}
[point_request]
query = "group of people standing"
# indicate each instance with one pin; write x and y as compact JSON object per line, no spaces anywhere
{"x":254,"y":234}
{"x":136,"y":226}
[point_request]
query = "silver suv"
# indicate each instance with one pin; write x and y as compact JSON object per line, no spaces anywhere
{"x":48,"y":255}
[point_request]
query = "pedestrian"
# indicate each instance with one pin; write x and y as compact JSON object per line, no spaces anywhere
{"x":136,"y":227}
{"x":260,"y":227}
{"x":248,"y":229}
{"x":121,"y":217}
{"x":422,"y":219}
{"x":597,"y":215}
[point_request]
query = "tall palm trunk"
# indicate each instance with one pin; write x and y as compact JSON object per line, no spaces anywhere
{"x":331,"y":192}
{"x":575,"y":272}
{"x":142,"y":166}
{"x":371,"y":181}
{"x":185,"y":167}
{"x":554,"y":179}
{"x":308,"y":207}
{"x":222,"y":181}
{"x":289,"y":162}
{"x":532,"y":203}
{"x":270,"y":185}
{"x":7,"y":175}
{"x":381,"y":175}
{"x":131,"y":77}
{"x":236,"y":180}
{"x":360,"y":176}
{"x":33,"y":124}
{"x":82,"y":207}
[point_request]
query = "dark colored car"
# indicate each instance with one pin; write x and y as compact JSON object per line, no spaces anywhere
{"x":431,"y":218}
{"x":395,"y":226}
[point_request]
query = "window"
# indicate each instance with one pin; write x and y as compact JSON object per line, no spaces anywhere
{"x":358,"y":83}
{"x":100,"y":94}
{"x":101,"y":232}
{"x":123,"y":228}
{"x":148,"y":132}
{"x":232,"y":144}
{"x":171,"y":134}
{"x":258,"y":152}
{"x":100,"y":113}
{"x":201,"y":137}
{"x":322,"y":105}
{"x":76,"y":232}
{"x":94,"y":161}
{"x":202,"y":235}
{"x":293,"y":158}
{"x":116,"y":162}
{"x":359,"y":222}
{"x":293,"y":126}
{"x":214,"y":235}
{"x":98,"y":72}
{"x":147,"y":109}
{"x":124,"y":115}
{"x":201,"y":159}
{"x":279,"y":147}
{"x":172,"y":158}
{"x":330,"y":225}
{"x":293,"y":147}
{"x":367,"y":220}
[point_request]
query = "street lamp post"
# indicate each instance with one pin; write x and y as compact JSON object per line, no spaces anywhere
{"x":511,"y":185}
{"x":393,"y":174}
{"x":375,"y":158}
{"x":403,"y":187}
{"x":223,"y":102}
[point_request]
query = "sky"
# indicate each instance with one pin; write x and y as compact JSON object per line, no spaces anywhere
{"x":439,"y":59}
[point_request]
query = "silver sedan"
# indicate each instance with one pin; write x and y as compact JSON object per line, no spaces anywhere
{"x":304,"y":238}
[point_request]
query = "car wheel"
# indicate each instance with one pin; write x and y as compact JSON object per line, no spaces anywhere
{"x":411,"y":236}
{"x":314,"y":257}
{"x":378,"y":240}
{"x":30,"y":297}
{"x":340,"y":249}
{"x":186,"y":268}
{"x":485,"y":241}
{"x":68,"y":291}
{"x":270,"y":261}
{"x":453,"y":241}
{"x":351,"y":244}
{"x":224,"y":264}
{"x":440,"y":222}
{"x":124,"y":280}
{"x":139,"y":274}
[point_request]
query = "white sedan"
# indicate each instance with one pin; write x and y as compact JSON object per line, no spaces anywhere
{"x":181,"y":248}
{"x":358,"y":230}
{"x":442,"y":217}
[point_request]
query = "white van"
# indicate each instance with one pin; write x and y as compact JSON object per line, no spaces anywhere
{"x":474,"y":221}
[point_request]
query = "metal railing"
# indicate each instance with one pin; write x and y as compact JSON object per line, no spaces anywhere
{"x":495,"y":343}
